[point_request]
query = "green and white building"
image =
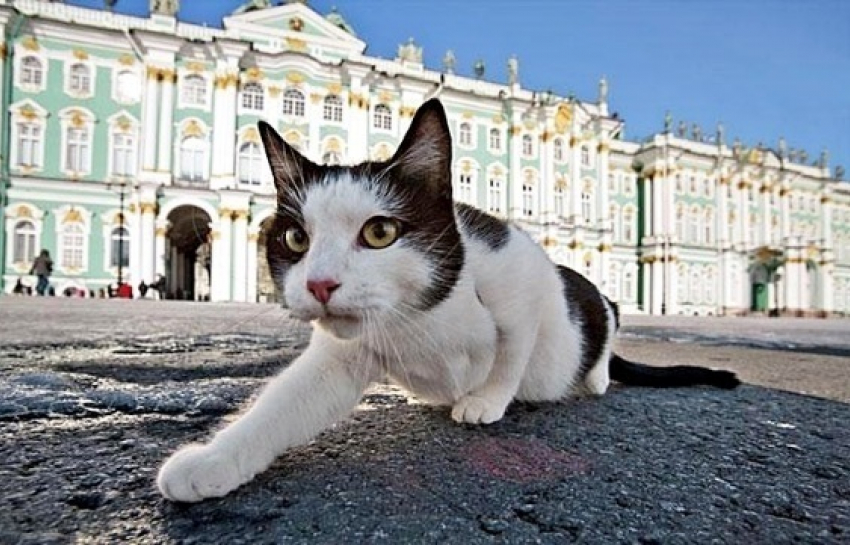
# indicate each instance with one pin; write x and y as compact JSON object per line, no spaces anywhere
{"x":139,"y":134}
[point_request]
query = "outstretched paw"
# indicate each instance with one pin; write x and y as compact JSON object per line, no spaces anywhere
{"x":473,"y":409}
{"x":197,"y":472}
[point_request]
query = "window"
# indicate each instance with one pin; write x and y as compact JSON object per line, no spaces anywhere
{"x":695,"y":285}
{"x":559,"y":198}
{"x":614,"y":216}
{"x":693,"y":185}
{"x":32,"y":72}
{"x":585,"y":156}
{"x":79,"y":79}
{"x":382,"y":117}
{"x":120,"y":246}
{"x":127,"y":87}
{"x":24,"y":242}
{"x":29,"y":145}
{"x":528,"y":199}
{"x":253,"y":97}
{"x":123,"y":154}
{"x":680,"y":187}
{"x":680,"y":223}
{"x":293,"y":103}
{"x":333,"y":109}
{"x":494,"y":194}
{"x":194,"y":90}
{"x":495,"y":140}
{"x":708,"y":287}
{"x":586,"y":207}
{"x":613,"y":286}
{"x":708,"y":227}
{"x":72,"y":240}
{"x":629,"y":224}
{"x":694,"y":226}
{"x":77,"y":150}
{"x":558,"y":149}
{"x":193,"y":157}
{"x":628,"y":185}
{"x":527,"y":145}
{"x":629,"y":284}
{"x":465,"y":134}
{"x":612,"y":182}
{"x":331,"y":158}
{"x":683,"y":291}
{"x":708,"y":187}
{"x":464,"y":193}
{"x":251,"y":162}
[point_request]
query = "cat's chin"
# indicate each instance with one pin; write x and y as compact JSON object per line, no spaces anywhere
{"x":341,"y":327}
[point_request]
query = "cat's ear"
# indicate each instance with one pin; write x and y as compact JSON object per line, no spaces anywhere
{"x":425,"y":155}
{"x":288,"y":166}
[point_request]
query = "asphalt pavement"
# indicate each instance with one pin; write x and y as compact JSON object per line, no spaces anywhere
{"x":95,"y":394}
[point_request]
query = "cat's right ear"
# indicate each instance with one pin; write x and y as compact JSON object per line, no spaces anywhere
{"x":289,"y":167}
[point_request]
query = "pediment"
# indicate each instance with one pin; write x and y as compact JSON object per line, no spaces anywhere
{"x":295,"y":23}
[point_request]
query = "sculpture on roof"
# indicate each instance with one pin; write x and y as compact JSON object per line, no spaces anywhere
{"x":449,"y":62}
{"x":410,"y":52}
{"x":337,"y":20}
{"x":682,"y":130}
{"x":168,"y":8}
{"x":721,"y":134}
{"x":839,"y":172}
{"x":668,"y":121}
{"x":479,"y":68}
{"x":252,"y":5}
{"x":513,"y":70}
{"x":823,"y":161}
{"x":696,"y":132}
{"x":603,"y":90}
{"x":782,"y":148}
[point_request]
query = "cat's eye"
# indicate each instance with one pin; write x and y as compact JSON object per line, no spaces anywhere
{"x":296,"y":239}
{"x":379,"y":232}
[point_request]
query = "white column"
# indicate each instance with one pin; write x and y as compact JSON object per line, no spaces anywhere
{"x":135,"y":227}
{"x":766,"y":212}
{"x":575,"y":179}
{"x":313,"y":111}
{"x":649,"y":207}
{"x":657,"y":286}
{"x":166,"y":122}
{"x":240,"y":255}
{"x":221,"y":257}
{"x":150,"y":108}
{"x":357,"y":118}
{"x":224,"y":130}
{"x":602,"y":183}
{"x":515,"y":177}
{"x":744,"y":213}
{"x":148,"y":236}
{"x":160,"y":248}
{"x":251,"y":269}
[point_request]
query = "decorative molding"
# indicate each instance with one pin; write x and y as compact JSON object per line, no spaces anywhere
{"x":30,"y":43}
{"x":254,"y":74}
{"x":127,"y":59}
{"x":241,"y":215}
{"x":80,"y":55}
{"x":498,"y":119}
{"x":195,"y":67}
{"x":148,"y":208}
{"x":274,"y":91}
{"x":72,"y":216}
{"x":603,"y":247}
{"x":603,"y":147}
{"x":295,"y":78}
{"x":550,"y":242}
{"x":223,"y":81}
{"x":193,"y":128}
{"x":334,"y":88}
{"x":296,"y":44}
{"x":407,"y":111}
{"x":161,"y":231}
{"x":251,"y":135}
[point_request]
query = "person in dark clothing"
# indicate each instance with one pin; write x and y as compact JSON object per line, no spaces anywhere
{"x":42,"y":267}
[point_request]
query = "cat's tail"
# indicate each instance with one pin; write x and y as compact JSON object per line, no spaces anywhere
{"x":639,"y":374}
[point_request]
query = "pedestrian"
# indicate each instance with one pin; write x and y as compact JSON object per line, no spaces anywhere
{"x":19,"y":288}
{"x":143,"y":289}
{"x":42,"y":267}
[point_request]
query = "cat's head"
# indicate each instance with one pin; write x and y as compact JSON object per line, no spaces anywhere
{"x":352,"y":246}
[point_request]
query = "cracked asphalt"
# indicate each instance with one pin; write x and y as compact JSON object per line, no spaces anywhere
{"x":95,"y":394}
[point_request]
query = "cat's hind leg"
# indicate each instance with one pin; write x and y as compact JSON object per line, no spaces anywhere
{"x":598,"y":379}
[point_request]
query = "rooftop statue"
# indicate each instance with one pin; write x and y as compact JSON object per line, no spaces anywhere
{"x":252,"y":5}
{"x":165,"y":7}
{"x":410,"y":52}
{"x":513,"y":70}
{"x":449,"y":62}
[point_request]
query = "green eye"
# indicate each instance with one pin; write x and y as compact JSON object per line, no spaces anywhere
{"x":379,"y":232}
{"x":296,"y":239}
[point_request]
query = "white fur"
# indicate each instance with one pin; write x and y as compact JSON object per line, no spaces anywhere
{"x":503,"y":334}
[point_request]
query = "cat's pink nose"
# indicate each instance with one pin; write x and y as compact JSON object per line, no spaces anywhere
{"x":322,"y":289}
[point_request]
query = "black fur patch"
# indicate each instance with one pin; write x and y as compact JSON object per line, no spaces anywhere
{"x":490,"y":230}
{"x":587,"y":306}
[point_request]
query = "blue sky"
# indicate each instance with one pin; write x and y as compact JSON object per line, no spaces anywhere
{"x":764,"y":68}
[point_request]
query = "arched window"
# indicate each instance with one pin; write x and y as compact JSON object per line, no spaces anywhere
{"x":79,"y":79}
{"x":614,"y":216}
{"x":585,"y":156}
{"x":29,"y":144}
{"x":495,"y":140}
{"x":127,"y":87}
{"x":123,"y":154}
{"x":558,"y":149}
{"x":332,"y":110}
{"x":77,"y":149}
{"x":120,"y":247}
{"x":694,"y":227}
{"x":465,"y":134}
{"x":194,"y":90}
{"x":628,"y":224}
{"x":331,"y":158}
{"x":193,"y":159}
{"x":527,"y":145}
{"x":72,"y":242}
{"x":683,"y":291}
{"x":382,"y":117}
{"x":253,"y":97}
{"x":24,"y":242}
{"x":32,"y":71}
{"x":494,"y":194}
{"x":629,"y":284}
{"x":613,"y":283}
{"x":587,"y":206}
{"x":293,"y":103}
{"x":560,"y":198}
{"x":251,"y":161}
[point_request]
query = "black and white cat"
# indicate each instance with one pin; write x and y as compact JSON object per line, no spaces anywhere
{"x":460,"y":308}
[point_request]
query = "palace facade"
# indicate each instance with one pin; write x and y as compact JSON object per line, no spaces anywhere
{"x":131,"y":149}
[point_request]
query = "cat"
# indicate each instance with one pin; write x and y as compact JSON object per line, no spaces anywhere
{"x":460,"y":308}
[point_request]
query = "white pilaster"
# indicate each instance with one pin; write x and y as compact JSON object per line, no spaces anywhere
{"x":240,"y":256}
{"x":224,"y":130}
{"x":166,"y":123}
{"x":222,"y":234}
{"x":150,"y":107}
{"x":251,"y":272}
{"x":148,"y":236}
{"x":160,"y":245}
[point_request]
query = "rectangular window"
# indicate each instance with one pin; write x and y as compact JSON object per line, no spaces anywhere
{"x":29,"y":144}
{"x":123,"y":155}
{"x":77,"y":150}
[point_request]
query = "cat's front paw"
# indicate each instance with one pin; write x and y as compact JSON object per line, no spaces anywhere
{"x":197,"y":472}
{"x":473,"y":409}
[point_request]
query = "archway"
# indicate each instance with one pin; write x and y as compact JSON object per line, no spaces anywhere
{"x":267,"y":290}
{"x":188,"y":254}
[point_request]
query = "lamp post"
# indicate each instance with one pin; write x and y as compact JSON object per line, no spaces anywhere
{"x":122,"y":189}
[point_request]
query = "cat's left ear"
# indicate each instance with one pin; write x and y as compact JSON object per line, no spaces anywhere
{"x":289,"y":167}
{"x":425,"y":155}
